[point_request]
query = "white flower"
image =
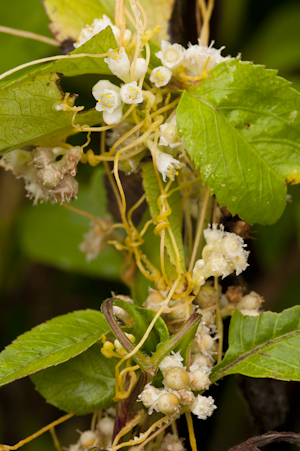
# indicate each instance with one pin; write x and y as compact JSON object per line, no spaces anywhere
{"x":169,"y":134}
{"x":150,"y":396}
{"x":91,"y":30}
{"x":140,"y":68}
{"x":119,"y":64}
{"x":203,"y":407}
{"x":171,"y":55}
{"x":171,"y":361}
{"x":167,"y":165}
{"x":131,"y":93}
{"x":200,"y":57}
{"x":95,"y":240}
{"x":109,"y":101}
{"x":160,"y":76}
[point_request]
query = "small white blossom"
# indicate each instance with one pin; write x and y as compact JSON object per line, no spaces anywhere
{"x":171,"y":361}
{"x":169,"y":134}
{"x":140,"y":68}
{"x":167,"y":165}
{"x":199,"y":379}
{"x":150,"y":396}
{"x":108,"y":101}
{"x":160,"y":76}
{"x":119,"y":64}
{"x":171,"y":443}
{"x":131,"y":93}
{"x":88,"y":439}
{"x":95,"y":240}
{"x":171,"y":55}
{"x":91,"y":30}
{"x":203,"y":407}
{"x":200,"y":57}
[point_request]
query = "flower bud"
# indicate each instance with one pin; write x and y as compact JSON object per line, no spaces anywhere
{"x":168,"y":403}
{"x":177,"y":378}
{"x":199,"y":380}
{"x":87,"y":439}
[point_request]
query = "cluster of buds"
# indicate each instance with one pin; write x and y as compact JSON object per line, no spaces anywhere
{"x":249,"y":305}
{"x":115,"y":349}
{"x":101,"y":437}
{"x":179,"y":386}
{"x":46,"y":177}
{"x":223,"y":254}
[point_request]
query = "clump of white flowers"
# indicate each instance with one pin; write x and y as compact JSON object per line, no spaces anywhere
{"x":223,"y":254}
{"x":96,"y":239}
{"x":101,"y":437}
{"x":110,"y":99}
{"x":46,"y":177}
{"x":249,"y":305}
{"x":179,"y":385}
{"x":99,"y":25}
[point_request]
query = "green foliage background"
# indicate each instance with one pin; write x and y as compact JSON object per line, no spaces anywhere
{"x":38,"y":252}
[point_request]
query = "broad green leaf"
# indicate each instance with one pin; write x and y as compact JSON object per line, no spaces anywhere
{"x":28,"y":115}
{"x":51,"y":343}
{"x":142,"y":318}
{"x":51,"y":234}
{"x":242,"y":128}
{"x":152,"y":194}
{"x":267,"y":345}
{"x":68,"y":17}
{"x":82,"y":385}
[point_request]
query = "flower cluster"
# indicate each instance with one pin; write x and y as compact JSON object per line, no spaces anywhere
{"x":223,"y":254}
{"x":101,"y":437}
{"x":46,"y":177}
{"x":185,"y":63}
{"x":248,"y":305}
{"x":99,"y":25}
{"x":96,"y":239}
{"x":179,"y":385}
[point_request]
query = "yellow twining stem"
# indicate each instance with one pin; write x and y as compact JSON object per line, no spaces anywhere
{"x":192,"y":437}
{"x":50,"y":58}
{"x":121,"y":393}
{"x":129,"y":426}
{"x":29,"y":35}
{"x":36,"y":434}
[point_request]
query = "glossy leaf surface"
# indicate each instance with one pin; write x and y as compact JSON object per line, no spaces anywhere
{"x":242,"y":128}
{"x":267,"y":345}
{"x":51,"y":343}
{"x":82,"y":385}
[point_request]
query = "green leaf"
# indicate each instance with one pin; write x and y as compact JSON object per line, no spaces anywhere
{"x":28,"y":115}
{"x":51,"y":233}
{"x":82,"y":385}
{"x":97,"y":45}
{"x":181,"y":341}
{"x":242,"y":128}
{"x":152,"y":194}
{"x":267,"y":345}
{"x":142,"y":318}
{"x":51,"y":343}
{"x":68,"y":17}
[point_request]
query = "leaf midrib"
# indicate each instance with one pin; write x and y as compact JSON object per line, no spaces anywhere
{"x":245,"y":356}
{"x":94,"y":337}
